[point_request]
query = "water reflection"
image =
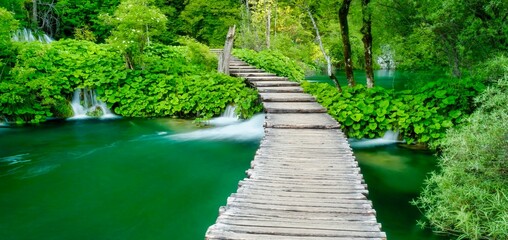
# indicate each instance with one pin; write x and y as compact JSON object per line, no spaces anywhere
{"x":395,"y":175}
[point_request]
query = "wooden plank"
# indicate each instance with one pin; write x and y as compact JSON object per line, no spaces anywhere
{"x":345,"y":226}
{"x":253,"y":74}
{"x":274,"y":84}
{"x":298,"y":232}
{"x":244,"y":70}
{"x":296,"y":203}
{"x":293,"y":89}
{"x":266,"y":78}
{"x":286,"y":97}
{"x":299,"y":121}
{"x":228,"y":235}
{"x":293,"y":107}
{"x":302,"y":200}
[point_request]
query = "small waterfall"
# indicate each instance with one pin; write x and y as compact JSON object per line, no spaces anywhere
{"x":387,"y":58}
{"x":85,"y":105}
{"x":4,"y":121}
{"x":27,"y":35}
{"x":390,"y":137}
{"x":227,"y":118}
{"x":248,"y":130}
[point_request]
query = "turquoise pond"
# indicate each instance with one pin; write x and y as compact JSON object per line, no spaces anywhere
{"x":160,"y":179}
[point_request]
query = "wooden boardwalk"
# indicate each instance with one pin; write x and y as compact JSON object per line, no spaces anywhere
{"x":304,"y":182}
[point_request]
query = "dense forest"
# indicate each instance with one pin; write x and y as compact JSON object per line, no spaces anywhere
{"x":151,"y":58}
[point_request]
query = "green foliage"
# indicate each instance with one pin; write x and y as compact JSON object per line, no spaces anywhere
{"x":46,"y":75}
{"x":174,"y":85}
{"x":454,"y":34}
{"x":421,"y":115}
{"x":176,"y":82}
{"x":468,"y":197}
{"x":79,"y":16}
{"x":199,"y":54}
{"x":362,"y":112}
{"x":209,"y":21}
{"x":272,"y":61}
{"x":492,"y":70}
{"x":134,"y":24}
{"x":7,"y":26}
{"x":16,"y":7}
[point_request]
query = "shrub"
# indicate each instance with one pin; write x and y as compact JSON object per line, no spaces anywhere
{"x":468,"y":196}
{"x":176,"y":81}
{"x":421,"y":115}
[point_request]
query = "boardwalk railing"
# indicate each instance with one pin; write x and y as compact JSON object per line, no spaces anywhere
{"x":304,"y":182}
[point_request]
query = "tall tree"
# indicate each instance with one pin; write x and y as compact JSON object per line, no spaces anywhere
{"x":329,"y":69}
{"x":134,"y":24}
{"x":344,"y":30}
{"x":367,"y":42}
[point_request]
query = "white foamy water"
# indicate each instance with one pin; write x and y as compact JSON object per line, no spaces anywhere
{"x":227,"y":118}
{"x":27,"y":35}
{"x":85,"y":101}
{"x":390,"y":137}
{"x":248,"y":130}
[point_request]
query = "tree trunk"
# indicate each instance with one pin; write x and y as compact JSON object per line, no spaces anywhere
{"x":344,"y":30}
{"x":268,"y":23}
{"x":367,"y":42}
{"x":247,"y":10}
{"x":35,"y":16}
{"x":225,"y":57}
{"x":327,"y":58}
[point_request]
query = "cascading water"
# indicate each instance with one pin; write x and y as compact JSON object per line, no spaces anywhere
{"x":228,"y":127}
{"x":27,"y":35}
{"x":387,"y":58}
{"x":85,"y":105}
{"x":390,"y":137}
{"x":4,"y":122}
{"x":227,"y":118}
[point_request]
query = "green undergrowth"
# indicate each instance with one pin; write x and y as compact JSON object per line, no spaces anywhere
{"x":469,"y":196}
{"x":272,"y":61}
{"x":420,"y":116}
{"x":176,"y":81}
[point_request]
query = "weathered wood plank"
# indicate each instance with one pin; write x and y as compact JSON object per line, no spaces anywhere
{"x":305,"y":225}
{"x":274,"y":84}
{"x":268,"y":89}
{"x":244,"y":70}
{"x":227,"y":235}
{"x":253,"y":74}
{"x":286,"y":97}
{"x":303,"y":200}
{"x":318,"y":217}
{"x":298,"y":232}
{"x":266,"y":78}
{"x":293,"y":107}
{"x":298,"y":121}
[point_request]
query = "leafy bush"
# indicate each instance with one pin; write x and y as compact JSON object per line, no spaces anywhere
{"x":199,"y":54}
{"x":7,"y":26}
{"x":421,"y":115}
{"x":175,"y":82}
{"x":468,"y":196}
{"x":272,"y":61}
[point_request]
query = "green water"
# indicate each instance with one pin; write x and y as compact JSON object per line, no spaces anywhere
{"x":390,"y":79}
{"x":121,"y":179}
{"x":130,"y":179}
{"x":394,"y":176}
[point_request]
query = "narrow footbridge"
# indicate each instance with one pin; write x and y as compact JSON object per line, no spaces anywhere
{"x":304,"y":182}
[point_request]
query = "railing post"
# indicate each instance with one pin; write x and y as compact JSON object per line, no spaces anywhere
{"x":225,"y":56}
